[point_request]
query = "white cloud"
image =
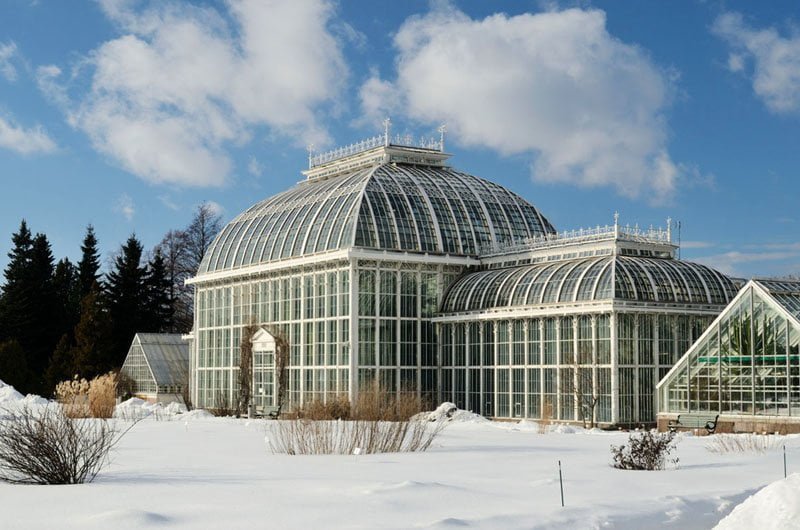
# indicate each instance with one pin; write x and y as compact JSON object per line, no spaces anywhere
{"x":25,"y":141}
{"x":216,"y":208}
{"x":555,"y":85}
{"x":775,"y":59}
{"x":183,"y":82}
{"x":696,"y":244}
{"x":7,"y":70}
{"x":125,"y":206}
{"x":254,"y":167}
{"x":167,"y":201}
{"x":729,"y":262}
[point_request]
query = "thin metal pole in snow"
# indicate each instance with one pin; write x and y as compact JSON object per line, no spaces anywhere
{"x":784,"y":461}
{"x":561,"y":482}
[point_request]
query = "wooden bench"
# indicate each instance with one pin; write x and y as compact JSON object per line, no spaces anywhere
{"x":695,"y":420}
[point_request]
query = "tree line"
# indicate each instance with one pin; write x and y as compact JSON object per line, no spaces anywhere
{"x":59,"y":320}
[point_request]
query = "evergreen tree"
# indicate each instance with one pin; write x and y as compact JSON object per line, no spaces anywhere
{"x":15,"y":306}
{"x":13,"y":366}
{"x":40,"y":338}
{"x":93,"y":353}
{"x":28,"y":312}
{"x":126,"y":297}
{"x":89,"y":265}
{"x":61,"y":366}
{"x":67,"y":293}
{"x":158,"y":311}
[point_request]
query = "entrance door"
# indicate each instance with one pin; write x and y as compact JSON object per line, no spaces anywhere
{"x":263,"y":372}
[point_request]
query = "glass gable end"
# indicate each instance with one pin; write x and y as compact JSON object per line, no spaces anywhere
{"x":747,"y":362}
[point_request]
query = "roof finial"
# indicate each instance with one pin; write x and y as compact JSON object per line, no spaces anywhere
{"x":387,"y":125}
{"x":310,"y":149}
{"x":442,"y":129}
{"x":616,"y":224}
{"x":669,"y":229}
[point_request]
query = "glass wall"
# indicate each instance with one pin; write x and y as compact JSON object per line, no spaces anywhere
{"x":747,"y":363}
{"x":561,"y":367}
{"x":310,"y":307}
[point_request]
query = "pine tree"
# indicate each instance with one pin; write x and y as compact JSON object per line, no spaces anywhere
{"x":61,"y":366}
{"x":126,"y":296}
{"x":28,"y":313}
{"x":89,"y":265}
{"x":15,"y":306}
{"x":159,"y":309}
{"x":13,"y":366}
{"x":93,"y":353}
{"x":67,"y":293}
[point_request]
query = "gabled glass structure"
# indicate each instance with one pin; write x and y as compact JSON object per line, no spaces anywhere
{"x":388,"y":266}
{"x":157,"y":365}
{"x":747,"y":363}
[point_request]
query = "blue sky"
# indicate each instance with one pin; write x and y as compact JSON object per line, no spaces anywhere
{"x":127,"y":114}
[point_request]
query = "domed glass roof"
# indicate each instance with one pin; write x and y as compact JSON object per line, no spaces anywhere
{"x":618,"y":277}
{"x":396,"y":206}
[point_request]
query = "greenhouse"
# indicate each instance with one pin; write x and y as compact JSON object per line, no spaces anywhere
{"x":385,"y":264}
{"x":746,"y":366}
{"x":157,"y":367}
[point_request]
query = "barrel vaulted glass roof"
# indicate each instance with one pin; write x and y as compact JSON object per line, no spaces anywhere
{"x":391,"y":206}
{"x":618,"y":277}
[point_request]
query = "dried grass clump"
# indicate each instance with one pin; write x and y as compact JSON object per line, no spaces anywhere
{"x":88,"y":399}
{"x":74,"y":397}
{"x":742,"y":443}
{"x":46,"y":446}
{"x":547,"y":418}
{"x":377,"y":422}
{"x":102,"y":395}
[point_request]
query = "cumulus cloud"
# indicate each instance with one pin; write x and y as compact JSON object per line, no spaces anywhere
{"x":25,"y":141}
{"x":215,"y":207}
{"x":7,"y":52}
{"x":556,"y":85}
{"x":254,"y":167}
{"x":182,"y":83}
{"x":125,"y":206}
{"x":775,"y":60}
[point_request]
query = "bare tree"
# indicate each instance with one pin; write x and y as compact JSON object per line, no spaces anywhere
{"x":204,"y":227}
{"x":174,"y":251}
{"x":281,"y":362}
{"x":246,"y":369}
{"x":585,"y":396}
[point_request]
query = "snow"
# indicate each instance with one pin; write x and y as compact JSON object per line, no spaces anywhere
{"x":220,"y":473}
{"x":775,"y":507}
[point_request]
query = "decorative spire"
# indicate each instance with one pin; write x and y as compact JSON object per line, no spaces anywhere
{"x":616,"y":224}
{"x":442,"y":129}
{"x":310,"y":149}
{"x":387,"y":127}
{"x":669,"y":229}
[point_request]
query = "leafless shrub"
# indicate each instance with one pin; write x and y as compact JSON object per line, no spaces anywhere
{"x":245,"y":394}
{"x":222,"y":405}
{"x":46,"y":446}
{"x":742,"y":443}
{"x":645,"y":451}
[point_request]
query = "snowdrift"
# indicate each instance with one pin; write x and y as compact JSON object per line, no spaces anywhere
{"x":450,"y":412}
{"x":775,"y":507}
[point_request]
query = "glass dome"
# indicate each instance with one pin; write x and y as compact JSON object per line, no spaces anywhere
{"x":619,"y":277}
{"x":404,"y":207}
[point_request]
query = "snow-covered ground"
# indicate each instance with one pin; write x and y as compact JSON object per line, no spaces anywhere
{"x":192,"y":471}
